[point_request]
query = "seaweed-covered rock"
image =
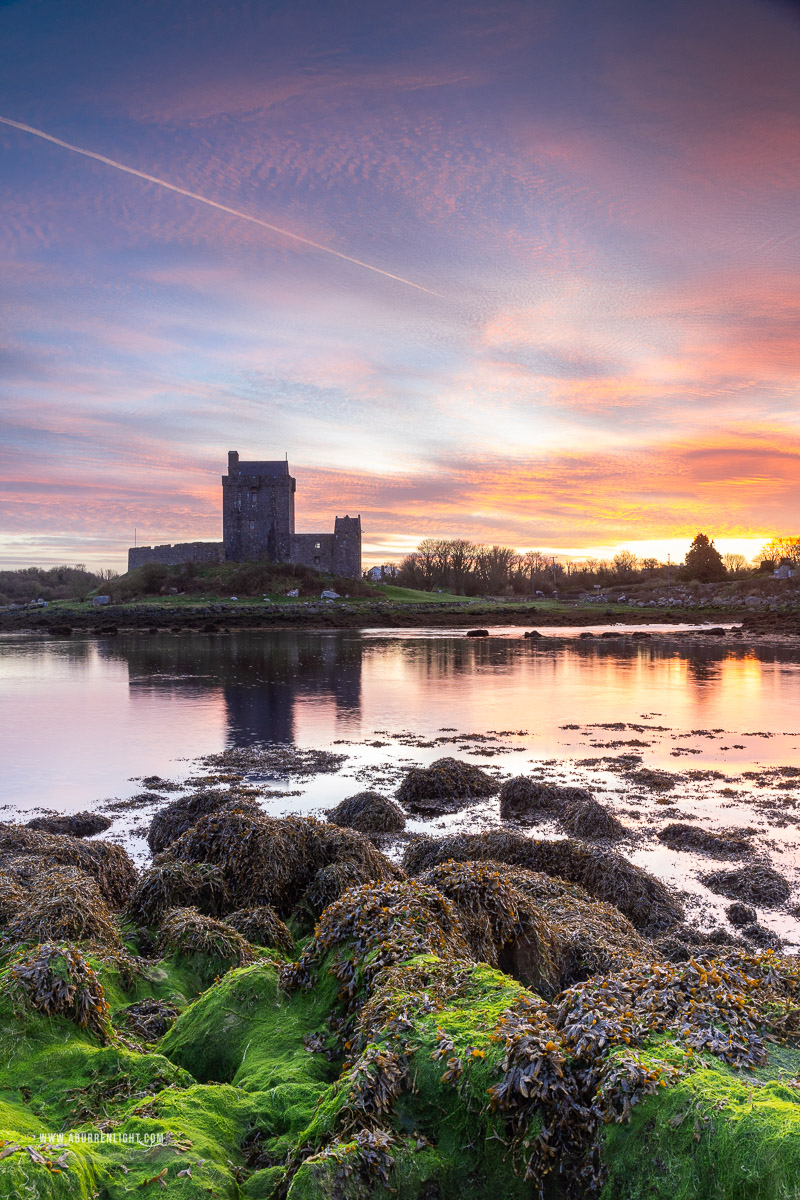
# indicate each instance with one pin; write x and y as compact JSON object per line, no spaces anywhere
{"x":80,"y":824}
{"x":586,"y":817}
{"x":502,"y":925}
{"x":56,"y":980}
{"x":680,"y":835}
{"x":644,"y":900}
{"x":65,"y":905}
{"x":263,"y":927}
{"x":272,"y":861}
{"x":177,"y":885}
{"x":368,"y":812}
{"x":12,"y":896}
{"x":109,"y":865}
{"x":524,"y":798}
{"x":447,"y":785}
{"x":373,"y":927}
{"x":757,"y":883}
{"x":740,"y":914}
{"x":186,"y":931}
{"x":174,"y":819}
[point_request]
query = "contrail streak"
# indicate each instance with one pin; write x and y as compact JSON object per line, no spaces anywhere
{"x":234,"y":212}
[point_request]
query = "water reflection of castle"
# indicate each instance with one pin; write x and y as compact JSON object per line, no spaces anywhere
{"x":264,"y":678}
{"x":261,"y":679}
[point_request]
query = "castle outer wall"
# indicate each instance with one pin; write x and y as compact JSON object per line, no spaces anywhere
{"x":258,"y":523}
{"x":177,"y":555}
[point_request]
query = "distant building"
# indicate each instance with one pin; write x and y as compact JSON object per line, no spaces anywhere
{"x":784,"y":569}
{"x":258,"y":523}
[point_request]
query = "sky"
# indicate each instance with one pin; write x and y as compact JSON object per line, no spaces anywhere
{"x":522,"y":272}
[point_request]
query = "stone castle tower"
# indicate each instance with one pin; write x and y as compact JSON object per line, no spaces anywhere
{"x":258,"y":522}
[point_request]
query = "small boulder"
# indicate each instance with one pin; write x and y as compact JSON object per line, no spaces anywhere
{"x":741,"y":914}
{"x":447,"y":785}
{"x":477,"y":633}
{"x":757,"y":882}
{"x":369,"y":813}
{"x":81,"y":824}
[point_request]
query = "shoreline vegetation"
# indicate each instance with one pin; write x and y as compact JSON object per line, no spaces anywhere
{"x":304,"y":1009}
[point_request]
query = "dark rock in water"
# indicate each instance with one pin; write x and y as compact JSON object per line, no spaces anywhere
{"x":477,"y":633}
{"x":716,"y":631}
{"x":580,"y":814}
{"x":585,"y":817}
{"x":522,"y":797}
{"x":82,"y":824}
{"x":532,"y":633}
{"x":741,"y":914}
{"x":586,"y":634}
{"x":368,"y":812}
{"x":174,"y":819}
{"x":644,"y":900}
{"x":762,"y":936}
{"x":757,"y":883}
{"x":61,"y":630}
{"x":682,"y":836}
{"x":447,"y":785}
{"x":641,"y":635}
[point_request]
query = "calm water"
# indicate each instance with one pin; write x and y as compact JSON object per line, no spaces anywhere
{"x":80,"y":717}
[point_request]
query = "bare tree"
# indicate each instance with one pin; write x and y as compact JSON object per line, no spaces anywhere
{"x":734,"y":562}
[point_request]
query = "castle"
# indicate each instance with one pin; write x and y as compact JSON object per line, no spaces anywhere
{"x":258,"y":522}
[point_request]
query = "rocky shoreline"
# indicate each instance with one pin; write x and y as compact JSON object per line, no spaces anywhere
{"x":276,"y":1008}
{"x":221,"y":618}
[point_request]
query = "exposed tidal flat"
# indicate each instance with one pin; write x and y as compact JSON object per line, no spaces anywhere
{"x":400,"y":914}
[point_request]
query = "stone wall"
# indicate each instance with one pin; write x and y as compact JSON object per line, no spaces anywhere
{"x":177,"y":555}
{"x":314,"y":550}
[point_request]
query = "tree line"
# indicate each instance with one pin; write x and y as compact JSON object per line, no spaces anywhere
{"x":471,"y":568}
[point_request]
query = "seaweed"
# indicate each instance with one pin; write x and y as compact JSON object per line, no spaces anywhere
{"x":502,"y":925}
{"x":525,"y":798}
{"x":56,"y":980}
{"x":80,"y":824}
{"x":369,"y":813}
{"x":109,"y":865}
{"x":740,"y":914}
{"x":174,"y":819}
{"x":272,"y":861}
{"x":185,"y":931}
{"x":65,"y":904}
{"x":373,"y":927}
{"x":177,"y":884}
{"x":12,"y":896}
{"x":644,"y":900}
{"x":756,"y":883}
{"x":147,"y":1019}
{"x":445,"y":786}
{"x":263,"y":927}
{"x":585,"y":817}
{"x":723,"y":844}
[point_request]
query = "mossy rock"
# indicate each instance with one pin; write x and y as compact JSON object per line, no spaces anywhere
{"x":715,"y":1135}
